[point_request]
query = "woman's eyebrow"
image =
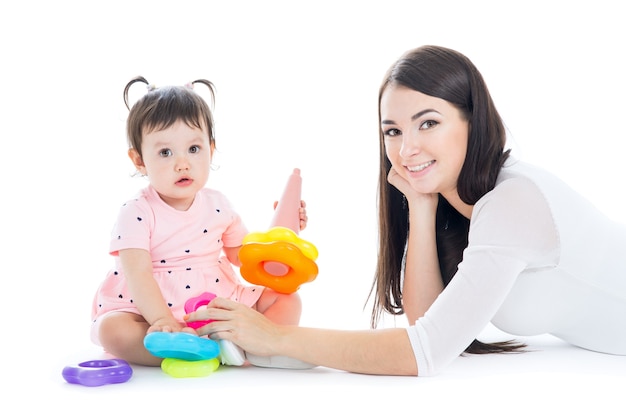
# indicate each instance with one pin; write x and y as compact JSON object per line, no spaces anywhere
{"x":413,"y":118}
{"x":421,"y":113}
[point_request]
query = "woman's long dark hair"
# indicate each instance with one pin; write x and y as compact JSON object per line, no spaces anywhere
{"x":448,"y":75}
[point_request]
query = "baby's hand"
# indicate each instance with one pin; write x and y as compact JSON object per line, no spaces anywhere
{"x":301,"y":212}
{"x":303,"y":217}
{"x":167,"y":325}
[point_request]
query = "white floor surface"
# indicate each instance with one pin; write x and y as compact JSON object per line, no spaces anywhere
{"x":553,"y":379}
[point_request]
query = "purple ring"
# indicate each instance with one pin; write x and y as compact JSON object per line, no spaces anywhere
{"x":98,"y":372}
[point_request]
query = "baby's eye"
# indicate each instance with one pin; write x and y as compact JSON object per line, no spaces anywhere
{"x":428,"y":124}
{"x":194,"y":149}
{"x":392,"y":132}
{"x":165,"y":152}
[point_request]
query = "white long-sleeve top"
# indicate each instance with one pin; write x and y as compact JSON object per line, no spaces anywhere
{"x":540,"y":259}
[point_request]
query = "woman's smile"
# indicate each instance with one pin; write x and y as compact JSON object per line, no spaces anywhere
{"x":420,"y":167}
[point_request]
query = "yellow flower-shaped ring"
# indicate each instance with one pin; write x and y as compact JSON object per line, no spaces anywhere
{"x":278,"y":259}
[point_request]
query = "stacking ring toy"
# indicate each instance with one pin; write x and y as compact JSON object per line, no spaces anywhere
{"x":179,"y":368}
{"x":181,"y":345}
{"x":98,"y":372}
{"x":299,"y":268}
{"x":195,"y":303}
{"x":283,"y":234}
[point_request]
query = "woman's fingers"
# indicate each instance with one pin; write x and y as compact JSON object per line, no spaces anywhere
{"x":230,"y":320}
{"x":218,"y":309}
{"x":224,"y":303}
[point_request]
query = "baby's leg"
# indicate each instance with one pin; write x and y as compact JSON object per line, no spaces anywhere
{"x":280,"y":308}
{"x":121,"y":335}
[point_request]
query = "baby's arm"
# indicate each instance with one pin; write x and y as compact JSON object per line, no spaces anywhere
{"x":146,"y":294}
{"x":233,"y":255}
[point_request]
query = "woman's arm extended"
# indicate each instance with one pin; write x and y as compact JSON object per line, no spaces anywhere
{"x":381,"y":352}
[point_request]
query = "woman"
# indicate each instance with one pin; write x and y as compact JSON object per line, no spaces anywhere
{"x":468,"y":236}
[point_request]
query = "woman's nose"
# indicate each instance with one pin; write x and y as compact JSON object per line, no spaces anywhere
{"x":410,"y":145}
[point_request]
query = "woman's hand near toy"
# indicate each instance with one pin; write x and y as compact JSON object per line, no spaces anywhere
{"x":256,"y":327}
{"x":354,"y":351}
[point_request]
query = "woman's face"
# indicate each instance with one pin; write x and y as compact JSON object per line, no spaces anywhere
{"x":425,"y":139}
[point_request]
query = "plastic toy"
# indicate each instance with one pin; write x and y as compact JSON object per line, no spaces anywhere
{"x":196,"y":302}
{"x":279,"y":259}
{"x":185,"y":354}
{"x":228,"y":352}
{"x":300,"y":269}
{"x":98,"y":372}
{"x":181,"y":345}
{"x":179,"y":368}
{"x":280,"y":233}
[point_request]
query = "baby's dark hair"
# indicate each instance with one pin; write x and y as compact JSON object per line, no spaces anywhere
{"x":162,"y":107}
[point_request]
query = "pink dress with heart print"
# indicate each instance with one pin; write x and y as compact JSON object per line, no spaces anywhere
{"x":186,"y":249}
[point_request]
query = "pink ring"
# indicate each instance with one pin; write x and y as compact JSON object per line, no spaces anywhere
{"x":195,"y":303}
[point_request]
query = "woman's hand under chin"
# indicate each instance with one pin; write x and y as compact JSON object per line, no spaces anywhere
{"x":402,"y":185}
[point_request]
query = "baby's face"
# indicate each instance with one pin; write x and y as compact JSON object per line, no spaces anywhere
{"x":177,"y":162}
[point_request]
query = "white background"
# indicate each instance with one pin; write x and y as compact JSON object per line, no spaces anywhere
{"x":297,"y":86}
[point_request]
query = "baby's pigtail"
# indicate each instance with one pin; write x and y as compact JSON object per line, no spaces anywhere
{"x":206,"y":83}
{"x":130,"y":83}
